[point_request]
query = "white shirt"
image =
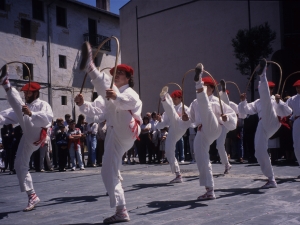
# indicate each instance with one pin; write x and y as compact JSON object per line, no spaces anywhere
{"x":42,"y":115}
{"x":93,"y":129}
{"x":235,"y":108}
{"x":147,"y":126}
{"x":281,"y":108}
{"x":294,"y":103}
{"x":127,"y":102}
{"x":230,"y":124}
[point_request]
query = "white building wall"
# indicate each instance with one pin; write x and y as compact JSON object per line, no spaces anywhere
{"x":64,"y":41}
{"x":173,"y":41}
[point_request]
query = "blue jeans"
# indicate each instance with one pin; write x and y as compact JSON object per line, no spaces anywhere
{"x":92,"y":145}
{"x":179,"y":151}
{"x":74,"y":151}
{"x":239,"y":144}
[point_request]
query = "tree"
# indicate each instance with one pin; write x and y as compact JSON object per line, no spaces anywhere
{"x":250,"y":46}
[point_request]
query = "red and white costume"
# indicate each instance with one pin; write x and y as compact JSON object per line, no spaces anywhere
{"x":123,"y":117}
{"x":32,"y":127}
{"x":205,"y":112}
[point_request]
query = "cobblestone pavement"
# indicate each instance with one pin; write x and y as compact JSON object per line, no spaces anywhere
{"x":79,"y":197}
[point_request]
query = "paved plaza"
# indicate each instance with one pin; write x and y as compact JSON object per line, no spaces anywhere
{"x":79,"y":197}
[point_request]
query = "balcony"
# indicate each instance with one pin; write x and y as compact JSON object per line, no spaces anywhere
{"x":96,"y":39}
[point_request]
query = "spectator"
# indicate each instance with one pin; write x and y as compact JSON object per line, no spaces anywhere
{"x":18,"y":133}
{"x":45,"y":151}
{"x":163,"y":133}
{"x":67,"y":120}
{"x":92,"y":132}
{"x":145,"y":142}
{"x":74,"y":135}
{"x":81,"y":125}
{"x":100,"y":142}
{"x":62,"y":147}
{"x":2,"y":156}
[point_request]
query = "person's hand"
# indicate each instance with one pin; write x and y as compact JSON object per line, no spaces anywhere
{"x":79,"y":100}
{"x":110,"y":93}
{"x":243,"y":97}
{"x":277,"y":98}
{"x":224,"y":117}
{"x":26,"y":110}
{"x":158,"y":118}
{"x":185,"y":117}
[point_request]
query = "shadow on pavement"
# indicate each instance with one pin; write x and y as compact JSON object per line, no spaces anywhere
{"x":239,"y":191}
{"x":280,"y":180}
{"x":162,"y":206}
{"x":5,"y":214}
{"x":81,"y":223}
{"x":143,"y":186}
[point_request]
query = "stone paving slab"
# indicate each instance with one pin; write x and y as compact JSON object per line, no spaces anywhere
{"x":79,"y":197}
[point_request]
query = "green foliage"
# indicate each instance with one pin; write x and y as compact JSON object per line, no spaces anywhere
{"x":252,"y":45}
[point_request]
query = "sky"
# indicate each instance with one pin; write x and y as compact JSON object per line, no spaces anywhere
{"x":115,"y":5}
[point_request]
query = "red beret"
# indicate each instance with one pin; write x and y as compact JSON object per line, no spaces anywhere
{"x":297,"y":83}
{"x":176,"y":94}
{"x":209,"y":81}
{"x":31,"y":86}
{"x":122,"y":67}
{"x":271,"y":84}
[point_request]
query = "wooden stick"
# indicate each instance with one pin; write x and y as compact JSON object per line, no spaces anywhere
{"x":286,"y":80}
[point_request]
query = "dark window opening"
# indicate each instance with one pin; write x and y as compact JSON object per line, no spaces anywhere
{"x":64,"y":100}
{"x":92,"y":24}
{"x":2,"y":5}
{"x":26,"y":72}
{"x":61,"y":16}
{"x":62,"y":61}
{"x":38,"y":10}
{"x":25,"y":28}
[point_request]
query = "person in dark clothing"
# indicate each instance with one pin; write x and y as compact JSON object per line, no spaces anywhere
{"x":18,"y":133}
{"x":250,"y":125}
{"x":7,"y":139}
{"x":62,"y":145}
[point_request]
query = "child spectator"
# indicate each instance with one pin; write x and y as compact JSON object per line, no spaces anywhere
{"x":74,"y":135}
{"x":62,"y":146}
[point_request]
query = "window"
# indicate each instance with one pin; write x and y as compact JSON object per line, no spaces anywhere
{"x":64,"y":100}
{"x":26,"y":72}
{"x":61,"y":16}
{"x":2,"y":5}
{"x":62,"y":61}
{"x":38,"y":10}
{"x":25,"y":28}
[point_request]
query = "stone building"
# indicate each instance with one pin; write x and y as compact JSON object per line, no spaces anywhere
{"x":47,"y":36}
{"x":164,"y":39}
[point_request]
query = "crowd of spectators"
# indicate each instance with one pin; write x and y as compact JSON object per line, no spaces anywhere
{"x":72,"y":145}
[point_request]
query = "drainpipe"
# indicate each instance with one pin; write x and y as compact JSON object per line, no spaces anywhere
{"x":49,"y":55}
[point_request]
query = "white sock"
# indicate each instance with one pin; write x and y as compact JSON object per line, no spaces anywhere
{"x":271,"y":178}
{"x":30,"y":192}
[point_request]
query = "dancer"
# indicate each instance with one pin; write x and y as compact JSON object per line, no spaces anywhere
{"x":122,"y":114}
{"x":221,"y":139}
{"x":35,"y":117}
{"x":206,"y":113}
{"x":178,"y":124}
{"x":294,"y":103}
{"x":268,"y":108}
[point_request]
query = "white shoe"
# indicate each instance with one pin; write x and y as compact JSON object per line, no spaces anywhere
{"x":163,"y":92}
{"x":32,"y":201}
{"x":227,"y":168}
{"x":269,"y":184}
{"x":178,"y":179}
{"x":73,"y":169}
{"x":81,"y":168}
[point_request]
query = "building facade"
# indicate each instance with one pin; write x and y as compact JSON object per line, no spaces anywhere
{"x":47,"y":37}
{"x":164,"y":39}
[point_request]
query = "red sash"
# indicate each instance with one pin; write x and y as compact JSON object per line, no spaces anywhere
{"x":135,"y":127}
{"x":43,"y":136}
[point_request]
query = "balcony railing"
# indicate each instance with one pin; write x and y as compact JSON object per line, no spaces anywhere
{"x":96,"y":40}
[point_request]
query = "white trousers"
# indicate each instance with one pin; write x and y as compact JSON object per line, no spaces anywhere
{"x":119,"y":139}
{"x":296,"y":138}
{"x":267,"y":126}
{"x":26,"y":146}
{"x":191,"y":141}
{"x":221,"y":146}
{"x":177,"y":129}
{"x":210,"y":131}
